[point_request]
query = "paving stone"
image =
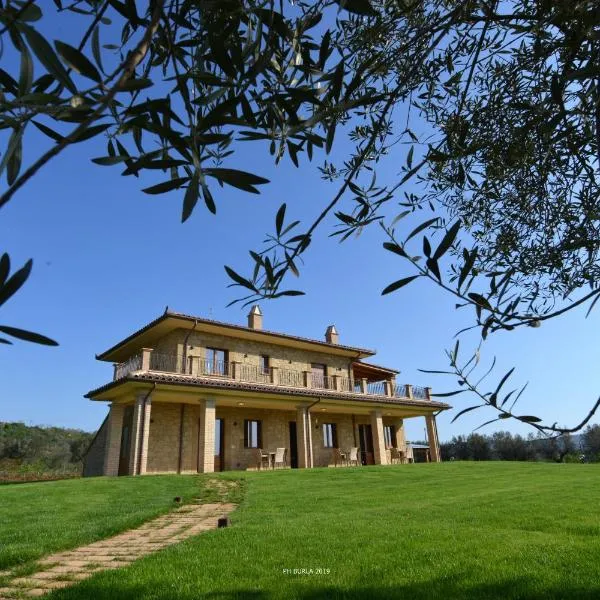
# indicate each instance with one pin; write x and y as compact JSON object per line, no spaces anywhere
{"x":65,"y":568}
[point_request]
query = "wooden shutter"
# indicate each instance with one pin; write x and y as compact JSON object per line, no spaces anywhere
{"x":259,"y":433}
{"x":246,"y":433}
{"x":334,"y":435}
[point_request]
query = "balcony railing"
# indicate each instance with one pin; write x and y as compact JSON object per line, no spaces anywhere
{"x":195,"y":366}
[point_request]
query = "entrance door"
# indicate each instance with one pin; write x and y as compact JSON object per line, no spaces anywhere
{"x":126,"y":441}
{"x":293,"y":445}
{"x":219,"y":444}
{"x":365,"y":437}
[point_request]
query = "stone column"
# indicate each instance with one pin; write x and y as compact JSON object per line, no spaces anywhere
{"x":380,"y":453}
{"x":275,"y":375}
{"x":112,"y":451}
{"x":136,"y":430}
{"x":307,"y":379}
{"x":409,"y":393}
{"x":432,"y":438}
{"x":364,"y":385}
{"x":302,"y":436}
{"x":146,"y":354}
{"x":400,"y":435}
{"x":145,"y":436}
{"x":206,"y":441}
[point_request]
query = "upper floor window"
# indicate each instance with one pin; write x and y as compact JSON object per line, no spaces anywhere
{"x":389,"y":436}
{"x":217,"y":361}
{"x":252,"y":434}
{"x":329,"y":435}
{"x":264,"y":364}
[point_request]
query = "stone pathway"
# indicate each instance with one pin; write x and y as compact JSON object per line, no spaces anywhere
{"x":67,"y":568}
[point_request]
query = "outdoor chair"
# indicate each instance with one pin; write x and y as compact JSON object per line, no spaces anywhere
{"x":353,"y":457}
{"x":338,"y":458}
{"x":280,"y":458}
{"x":397,"y":456}
{"x":261,"y":458}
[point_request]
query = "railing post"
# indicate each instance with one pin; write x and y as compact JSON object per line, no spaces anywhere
{"x":428,"y":393}
{"x":146,"y":354}
{"x":308,"y":379}
{"x":409,"y":393}
{"x":336,"y":382}
{"x":364,"y":386}
{"x":115,"y":369}
{"x":388,"y":388}
{"x":275,"y":375}
{"x":235,"y":369}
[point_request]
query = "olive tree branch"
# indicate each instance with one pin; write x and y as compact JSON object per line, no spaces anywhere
{"x":127,"y":69}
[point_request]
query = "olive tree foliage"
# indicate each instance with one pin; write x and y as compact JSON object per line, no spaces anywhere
{"x":488,"y":111}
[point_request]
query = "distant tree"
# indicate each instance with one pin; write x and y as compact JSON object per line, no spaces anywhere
{"x":479,"y":447}
{"x":591,"y":442}
{"x":489,"y":111}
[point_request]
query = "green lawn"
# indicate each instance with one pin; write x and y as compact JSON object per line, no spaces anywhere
{"x":456,"y":530}
{"x":40,"y":518}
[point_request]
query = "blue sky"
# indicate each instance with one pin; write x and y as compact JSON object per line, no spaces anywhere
{"x":108,"y":259}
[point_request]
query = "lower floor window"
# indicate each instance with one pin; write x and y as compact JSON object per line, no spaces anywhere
{"x":252,"y":434}
{"x":389,"y":436}
{"x":329,"y":435}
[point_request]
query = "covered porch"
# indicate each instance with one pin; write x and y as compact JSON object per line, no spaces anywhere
{"x":167,"y":429}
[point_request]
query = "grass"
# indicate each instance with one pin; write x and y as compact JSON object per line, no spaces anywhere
{"x":40,"y":518}
{"x":456,"y":530}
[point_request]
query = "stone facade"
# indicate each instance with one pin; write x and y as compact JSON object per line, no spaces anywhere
{"x":182,"y":343}
{"x":93,"y":461}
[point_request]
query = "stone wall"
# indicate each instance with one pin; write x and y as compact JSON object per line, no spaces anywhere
{"x":249,"y":352}
{"x":165,"y":427}
{"x":93,"y":461}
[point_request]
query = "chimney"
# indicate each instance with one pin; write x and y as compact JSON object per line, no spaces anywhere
{"x":331,"y":335}
{"x":255,"y":318}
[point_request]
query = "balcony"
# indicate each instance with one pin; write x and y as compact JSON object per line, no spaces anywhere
{"x":149,"y":361}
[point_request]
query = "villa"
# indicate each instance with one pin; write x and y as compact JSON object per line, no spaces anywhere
{"x":194,"y":395}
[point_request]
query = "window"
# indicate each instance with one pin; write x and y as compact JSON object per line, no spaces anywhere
{"x":264,"y":364}
{"x":329,"y":435}
{"x":252,"y":434}
{"x":389,"y":436}
{"x":216,"y":361}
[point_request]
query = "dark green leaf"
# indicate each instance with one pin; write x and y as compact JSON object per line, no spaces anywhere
{"x":420,"y":228}
{"x":77,"y":61}
{"x":96,"y":47}
{"x":239,"y":179}
{"x":109,"y":160}
{"x":398,"y":284}
{"x":395,"y":248}
{"x":465,"y":410}
{"x":279,"y":218}
{"x":166,"y":186}
{"x":468,"y":265}
{"x":46,"y":55}
{"x":208,"y":199}
{"x":447,"y":241}
{"x":191,"y":196}
{"x":28,"y":336}
{"x":26,"y":72}
{"x":529,"y":419}
{"x":14,"y":283}
{"x":239,"y":279}
{"x":434,"y":268}
{"x":358,"y":7}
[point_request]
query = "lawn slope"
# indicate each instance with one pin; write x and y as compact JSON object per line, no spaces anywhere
{"x":456,"y":530}
{"x":40,"y":518}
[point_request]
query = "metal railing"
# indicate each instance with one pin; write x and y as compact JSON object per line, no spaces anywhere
{"x":252,"y":373}
{"x":134,"y":363}
{"x":376,"y":388}
{"x":322,"y":382}
{"x":420,"y":393}
{"x":197,"y":366}
{"x":401,"y":390}
{"x":291,"y":378}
